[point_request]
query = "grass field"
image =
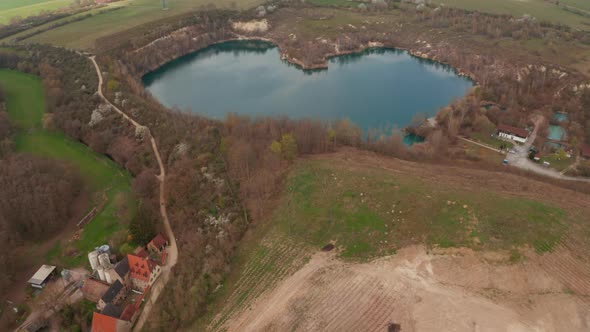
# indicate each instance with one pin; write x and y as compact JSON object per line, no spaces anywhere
{"x":26,"y":104}
{"x":540,"y":9}
{"x":24,"y":8}
{"x":82,"y":34}
{"x":369,"y":212}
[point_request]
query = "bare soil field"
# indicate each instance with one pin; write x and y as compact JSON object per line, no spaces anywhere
{"x":456,"y":290}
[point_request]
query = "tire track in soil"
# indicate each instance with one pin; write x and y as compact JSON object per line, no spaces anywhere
{"x":250,"y":277}
{"x":562,"y":263}
{"x":380,"y":317}
{"x":360,"y":302}
{"x":254,"y":270}
{"x":336,"y":310}
{"x":331,"y":304}
{"x":260,"y":283}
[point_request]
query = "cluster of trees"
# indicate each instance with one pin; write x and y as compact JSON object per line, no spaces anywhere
{"x":37,"y":201}
{"x":37,"y":195}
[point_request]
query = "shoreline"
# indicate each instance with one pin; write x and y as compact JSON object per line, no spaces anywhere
{"x":324,"y":65}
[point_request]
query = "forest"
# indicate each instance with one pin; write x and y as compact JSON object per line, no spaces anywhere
{"x":37,"y":196}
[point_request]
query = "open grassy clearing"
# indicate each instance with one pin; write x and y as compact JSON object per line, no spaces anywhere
{"x":369,"y":213}
{"x":26,"y":104}
{"x":540,"y":9}
{"x":371,"y":210}
{"x":24,"y":8}
{"x":82,"y":34}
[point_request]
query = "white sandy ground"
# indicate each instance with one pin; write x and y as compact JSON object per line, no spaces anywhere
{"x":453,"y":290}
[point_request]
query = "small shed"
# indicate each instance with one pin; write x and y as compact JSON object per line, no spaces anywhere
{"x":586,"y":151}
{"x":42,"y":276}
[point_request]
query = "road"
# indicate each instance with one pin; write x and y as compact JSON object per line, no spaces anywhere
{"x":172,"y":249}
{"x":521,"y":159}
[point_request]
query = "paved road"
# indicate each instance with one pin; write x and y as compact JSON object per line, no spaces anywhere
{"x":172,"y":249}
{"x":521,"y":159}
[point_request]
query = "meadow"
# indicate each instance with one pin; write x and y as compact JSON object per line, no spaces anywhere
{"x":540,"y":9}
{"x":10,"y":9}
{"x":104,"y":178}
{"x":82,"y":34}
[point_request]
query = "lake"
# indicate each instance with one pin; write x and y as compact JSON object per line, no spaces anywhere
{"x":378,"y":88}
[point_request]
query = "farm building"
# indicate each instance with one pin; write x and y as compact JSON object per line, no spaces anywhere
{"x":112,"y":310}
{"x":93,"y":290}
{"x":113,"y":295}
{"x":157,"y":244}
{"x":516,"y":134}
{"x":143,"y":272}
{"x":42,"y":276}
{"x":105,"y":323}
{"x":121,"y":272}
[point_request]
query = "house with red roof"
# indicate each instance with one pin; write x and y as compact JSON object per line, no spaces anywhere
{"x":516,"y":134}
{"x":585,"y":151}
{"x":143,"y":272}
{"x":105,"y":323}
{"x":158,"y":244}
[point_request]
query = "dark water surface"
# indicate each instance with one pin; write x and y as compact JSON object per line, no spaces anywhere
{"x":378,"y":88}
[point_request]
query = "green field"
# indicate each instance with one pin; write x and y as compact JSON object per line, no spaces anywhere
{"x":24,"y":8}
{"x":82,"y":34}
{"x":26,"y":104}
{"x":540,"y":9}
{"x":370,"y":213}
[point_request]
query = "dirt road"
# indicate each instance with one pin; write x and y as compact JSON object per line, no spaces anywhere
{"x":172,"y":249}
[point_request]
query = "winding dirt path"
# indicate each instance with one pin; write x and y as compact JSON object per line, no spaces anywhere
{"x":172,"y":249}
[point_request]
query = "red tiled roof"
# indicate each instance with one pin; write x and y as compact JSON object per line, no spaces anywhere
{"x":140,"y":251}
{"x":103,"y":323}
{"x":586,"y":151}
{"x":520,"y":132}
{"x":128,"y":312}
{"x":140,"y":267}
{"x":159,"y":241}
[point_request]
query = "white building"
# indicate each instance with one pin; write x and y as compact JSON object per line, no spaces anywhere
{"x":513,"y":133}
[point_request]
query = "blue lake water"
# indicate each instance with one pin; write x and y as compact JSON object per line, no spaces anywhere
{"x":378,"y":88}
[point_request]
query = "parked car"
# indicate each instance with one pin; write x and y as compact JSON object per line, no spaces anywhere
{"x":505,"y":162}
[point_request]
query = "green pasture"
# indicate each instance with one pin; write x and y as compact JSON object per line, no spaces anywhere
{"x":10,"y":9}
{"x":26,"y":105}
{"x":82,"y":34}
